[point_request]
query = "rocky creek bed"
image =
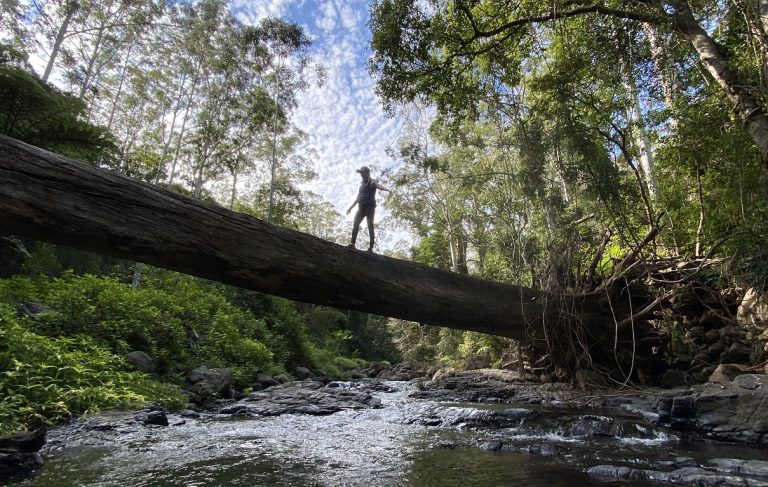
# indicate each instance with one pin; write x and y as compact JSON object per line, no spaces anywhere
{"x":464,"y":428}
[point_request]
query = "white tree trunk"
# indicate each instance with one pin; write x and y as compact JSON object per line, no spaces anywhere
{"x":745,"y":104}
{"x":662,"y":64}
{"x":72,"y":7}
{"x":641,"y":137}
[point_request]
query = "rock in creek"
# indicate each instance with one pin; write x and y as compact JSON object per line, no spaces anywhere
{"x":207,"y":384}
{"x":691,"y":475}
{"x":158,"y":418}
{"x":18,"y":453}
{"x":306,"y":397}
{"x":265,"y":381}
{"x":755,"y":468}
{"x":731,"y":411}
{"x":490,"y":386}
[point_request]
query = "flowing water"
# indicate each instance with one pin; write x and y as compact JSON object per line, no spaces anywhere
{"x":391,"y":446}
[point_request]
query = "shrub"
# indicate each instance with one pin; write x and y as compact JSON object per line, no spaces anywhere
{"x":48,"y":380}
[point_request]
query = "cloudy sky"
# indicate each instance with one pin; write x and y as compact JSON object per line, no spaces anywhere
{"x":343,"y":117}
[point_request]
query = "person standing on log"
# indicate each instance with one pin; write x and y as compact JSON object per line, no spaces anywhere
{"x":366,"y":205}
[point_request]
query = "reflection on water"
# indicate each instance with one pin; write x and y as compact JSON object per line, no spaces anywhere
{"x":474,"y":467}
{"x":383,"y":447}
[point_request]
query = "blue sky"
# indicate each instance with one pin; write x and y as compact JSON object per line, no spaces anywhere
{"x":343,"y":117}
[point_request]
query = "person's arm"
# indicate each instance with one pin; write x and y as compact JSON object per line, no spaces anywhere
{"x":353,"y":204}
{"x":382,"y":188}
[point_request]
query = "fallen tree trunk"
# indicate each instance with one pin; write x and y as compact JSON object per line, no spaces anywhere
{"x":59,"y":200}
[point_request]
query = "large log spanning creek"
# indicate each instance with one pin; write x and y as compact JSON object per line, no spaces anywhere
{"x":395,"y":427}
{"x":63,"y":201}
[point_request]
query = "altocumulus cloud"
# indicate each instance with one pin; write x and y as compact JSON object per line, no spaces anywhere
{"x":343,"y":117}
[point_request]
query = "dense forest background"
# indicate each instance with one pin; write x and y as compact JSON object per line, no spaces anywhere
{"x":542,"y":144}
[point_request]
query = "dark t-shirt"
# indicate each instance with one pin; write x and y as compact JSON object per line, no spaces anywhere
{"x":366,"y":197}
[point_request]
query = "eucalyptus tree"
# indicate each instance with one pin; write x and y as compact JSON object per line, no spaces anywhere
{"x":319,"y":218}
{"x":12,"y":31}
{"x":49,"y":28}
{"x":282,"y":190}
{"x":110,"y":29}
{"x":80,"y":38}
{"x":233,"y":110}
{"x":453,"y":51}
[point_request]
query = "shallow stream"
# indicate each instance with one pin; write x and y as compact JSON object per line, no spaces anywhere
{"x":407,"y":442}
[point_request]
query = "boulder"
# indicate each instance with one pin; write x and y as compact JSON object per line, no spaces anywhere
{"x":753,"y":309}
{"x":18,"y":453}
{"x":683,"y":362}
{"x":283,"y":378}
{"x":685,"y":476}
{"x":141,"y":361}
{"x":477,"y":362}
{"x":14,"y":463}
{"x":711,"y":336}
{"x":725,"y":373}
{"x":734,"y":411}
{"x":265,"y":381}
{"x":443,"y":373}
{"x":715,"y":349}
{"x":374,"y":369}
{"x":158,"y":418}
{"x":355,"y":374}
{"x":303,"y":373}
{"x":737,"y":353}
{"x":210,"y":383}
{"x":306,"y":397}
{"x":731,"y":333}
{"x":711,"y":319}
{"x":674,"y":378}
{"x":24,"y":441}
{"x":756,"y":468}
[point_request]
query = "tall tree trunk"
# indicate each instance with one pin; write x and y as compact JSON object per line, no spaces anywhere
{"x":91,"y":63}
{"x":72,"y":7}
{"x":233,"y":195}
{"x":119,"y":93}
{"x":167,"y":139}
{"x":641,"y":136}
{"x":700,"y":194}
{"x":745,"y":104}
{"x":180,"y":139}
{"x":662,"y":64}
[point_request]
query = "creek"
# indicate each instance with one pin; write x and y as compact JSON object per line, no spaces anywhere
{"x":405,"y":442}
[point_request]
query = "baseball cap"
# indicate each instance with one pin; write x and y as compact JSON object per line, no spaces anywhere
{"x":363,"y":169}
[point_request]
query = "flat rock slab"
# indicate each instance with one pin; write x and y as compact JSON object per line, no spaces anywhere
{"x":687,"y":476}
{"x":736,"y":411}
{"x":489,"y":386}
{"x":306,"y":397}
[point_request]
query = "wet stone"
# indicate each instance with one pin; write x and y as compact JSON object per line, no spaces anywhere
{"x":493,"y":445}
{"x":686,"y":475}
{"x":157,"y":418}
{"x":755,"y":468}
{"x":306,"y":397}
